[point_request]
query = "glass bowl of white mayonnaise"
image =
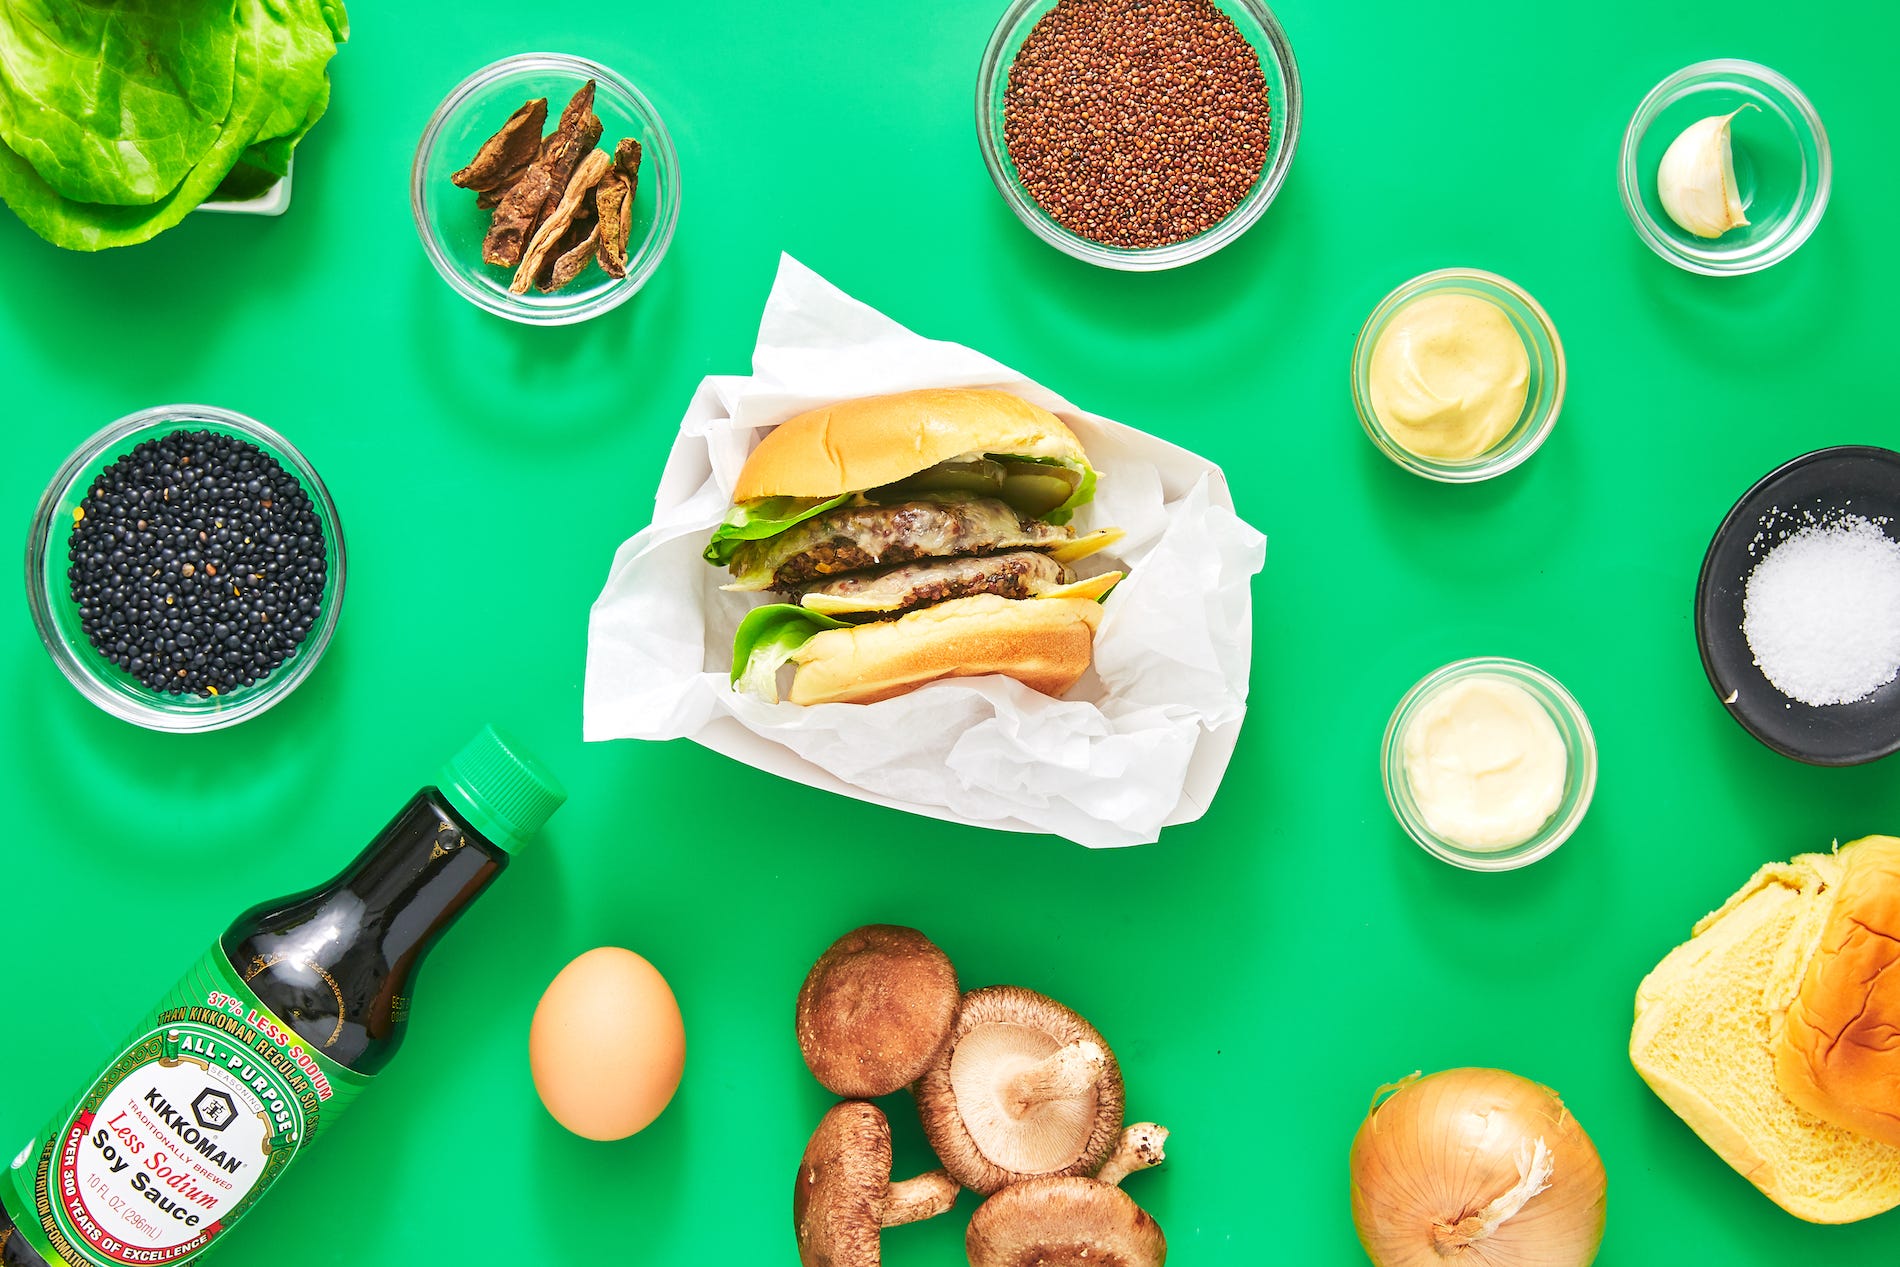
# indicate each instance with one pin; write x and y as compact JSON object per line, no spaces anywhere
{"x":1489,"y":764}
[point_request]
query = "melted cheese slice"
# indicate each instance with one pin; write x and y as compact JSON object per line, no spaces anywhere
{"x":832,"y":605}
{"x":1083,"y":547}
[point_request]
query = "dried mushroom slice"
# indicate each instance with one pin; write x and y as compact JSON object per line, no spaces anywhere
{"x":627,"y":158}
{"x":548,"y":237}
{"x":572,"y":261}
{"x":516,"y":216}
{"x":541,"y":188}
{"x":583,"y":229}
{"x":489,"y":199}
{"x":613,"y":201}
{"x":573,"y":141}
{"x":844,"y":1197}
{"x":1025,"y":1089}
{"x":505,"y":155}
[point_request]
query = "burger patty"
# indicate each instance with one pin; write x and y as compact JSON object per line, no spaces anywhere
{"x":1018,"y":574}
{"x":855,"y":538}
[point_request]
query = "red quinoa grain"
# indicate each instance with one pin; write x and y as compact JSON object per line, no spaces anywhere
{"x":1136,"y":123}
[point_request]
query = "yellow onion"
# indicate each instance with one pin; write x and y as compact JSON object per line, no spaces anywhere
{"x":1477,"y":1167}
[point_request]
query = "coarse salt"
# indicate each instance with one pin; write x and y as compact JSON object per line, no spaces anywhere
{"x":1821,"y":612}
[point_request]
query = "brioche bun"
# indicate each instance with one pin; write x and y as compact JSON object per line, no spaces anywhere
{"x":1839,"y":1055}
{"x":1709,"y":1021}
{"x":876,"y":440}
{"x":1044,"y":643}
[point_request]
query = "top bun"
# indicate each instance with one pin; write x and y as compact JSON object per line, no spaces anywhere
{"x":875,"y":440}
{"x":1838,"y":1057}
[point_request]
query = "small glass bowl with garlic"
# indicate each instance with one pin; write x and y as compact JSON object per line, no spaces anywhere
{"x":1752,"y":192}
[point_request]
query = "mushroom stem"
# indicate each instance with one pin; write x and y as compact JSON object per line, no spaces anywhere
{"x":1066,"y":1074}
{"x":924,"y":1197}
{"x":1142,"y":1146}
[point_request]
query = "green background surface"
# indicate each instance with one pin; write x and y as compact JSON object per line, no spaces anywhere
{"x":1258,"y":972}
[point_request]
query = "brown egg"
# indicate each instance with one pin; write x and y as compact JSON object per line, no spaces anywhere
{"x":607,"y":1045}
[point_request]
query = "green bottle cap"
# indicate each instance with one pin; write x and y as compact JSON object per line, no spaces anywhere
{"x":499,"y":787}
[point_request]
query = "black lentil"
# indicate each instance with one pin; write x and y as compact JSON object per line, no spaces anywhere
{"x":1136,"y":123}
{"x":197,"y":563}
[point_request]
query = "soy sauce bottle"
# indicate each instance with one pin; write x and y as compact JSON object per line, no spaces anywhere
{"x":272,"y":1035}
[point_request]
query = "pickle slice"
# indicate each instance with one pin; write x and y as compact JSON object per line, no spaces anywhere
{"x":979,"y":476}
{"x":1033,"y":489}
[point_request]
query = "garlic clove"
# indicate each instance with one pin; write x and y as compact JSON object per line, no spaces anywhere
{"x":1696,"y":181}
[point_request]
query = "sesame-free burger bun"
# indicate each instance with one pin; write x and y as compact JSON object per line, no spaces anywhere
{"x":877,"y":440}
{"x":1839,"y":1054}
{"x":1044,"y":643}
{"x":1711,"y":1018}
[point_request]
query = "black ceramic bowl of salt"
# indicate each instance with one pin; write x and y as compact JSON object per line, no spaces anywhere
{"x":1817,"y":488}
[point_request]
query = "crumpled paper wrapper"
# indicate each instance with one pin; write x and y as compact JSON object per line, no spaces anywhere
{"x":1139,"y":744}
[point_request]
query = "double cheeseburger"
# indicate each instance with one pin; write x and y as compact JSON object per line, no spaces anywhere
{"x":913,"y":537}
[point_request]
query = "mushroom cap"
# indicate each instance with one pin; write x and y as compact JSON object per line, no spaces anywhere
{"x":875,"y":1010}
{"x":838,"y":1202}
{"x":1066,"y":1222}
{"x":1000,"y":1032}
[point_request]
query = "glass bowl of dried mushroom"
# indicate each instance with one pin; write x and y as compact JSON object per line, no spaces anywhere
{"x":546,"y":189}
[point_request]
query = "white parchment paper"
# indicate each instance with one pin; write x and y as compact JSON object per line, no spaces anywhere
{"x":1140,"y":743}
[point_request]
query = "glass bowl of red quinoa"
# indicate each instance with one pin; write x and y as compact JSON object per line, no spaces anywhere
{"x":1138,"y":134}
{"x":266,"y":542}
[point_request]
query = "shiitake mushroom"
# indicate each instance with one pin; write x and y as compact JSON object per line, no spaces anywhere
{"x":1020,"y":1098}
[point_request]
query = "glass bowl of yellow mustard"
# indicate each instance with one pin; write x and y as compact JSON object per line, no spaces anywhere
{"x":1458,"y":375}
{"x":1489,"y":764}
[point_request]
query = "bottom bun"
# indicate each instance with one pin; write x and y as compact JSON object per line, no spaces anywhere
{"x":1044,"y":643}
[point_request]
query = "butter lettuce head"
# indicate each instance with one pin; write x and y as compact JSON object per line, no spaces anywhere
{"x":118,"y":117}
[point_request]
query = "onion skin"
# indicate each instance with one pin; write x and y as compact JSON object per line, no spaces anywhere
{"x":1430,"y":1159}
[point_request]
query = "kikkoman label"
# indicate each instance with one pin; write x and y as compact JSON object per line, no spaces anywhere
{"x":182,"y":1134}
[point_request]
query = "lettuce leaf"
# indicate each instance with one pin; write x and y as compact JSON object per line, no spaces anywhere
{"x":116,"y":103}
{"x":767,"y":638}
{"x":767,"y":517}
{"x":118,"y":141}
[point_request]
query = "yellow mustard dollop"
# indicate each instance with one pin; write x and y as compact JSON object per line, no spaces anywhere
{"x":1448,"y":377}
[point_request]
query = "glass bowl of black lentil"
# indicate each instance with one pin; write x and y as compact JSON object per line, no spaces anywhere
{"x":1132,"y":133}
{"x":185,"y":568}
